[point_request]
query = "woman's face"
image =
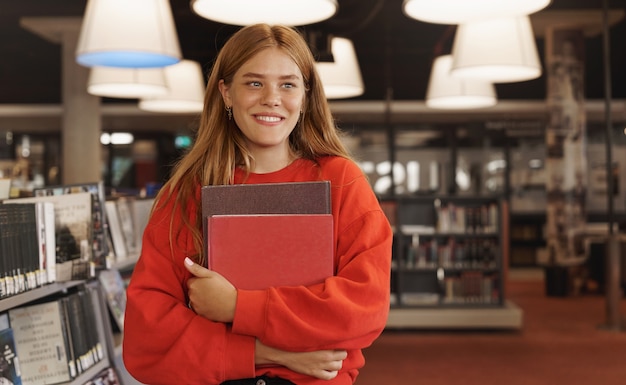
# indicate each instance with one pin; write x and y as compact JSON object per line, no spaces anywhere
{"x":266,"y":96}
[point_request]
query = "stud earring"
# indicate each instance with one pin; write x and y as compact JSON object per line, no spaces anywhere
{"x":229,"y":112}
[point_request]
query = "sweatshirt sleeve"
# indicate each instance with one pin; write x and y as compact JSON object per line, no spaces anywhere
{"x":348,"y":310}
{"x":161,"y":334}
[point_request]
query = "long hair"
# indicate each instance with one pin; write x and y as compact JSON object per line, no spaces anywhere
{"x":219,"y":145}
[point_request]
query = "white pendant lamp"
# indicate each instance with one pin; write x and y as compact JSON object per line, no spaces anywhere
{"x":186,"y":90}
{"x":342,"y":77}
{"x":246,"y":12}
{"x":446,"y":92}
{"x":498,"y":50}
{"x":131,"y":83}
{"x":461,"y":11}
{"x":122,"y":33}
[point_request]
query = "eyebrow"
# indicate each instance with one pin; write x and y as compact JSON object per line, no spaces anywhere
{"x":283,"y":77}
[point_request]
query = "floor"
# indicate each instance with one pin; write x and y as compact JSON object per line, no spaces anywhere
{"x":564,"y":340}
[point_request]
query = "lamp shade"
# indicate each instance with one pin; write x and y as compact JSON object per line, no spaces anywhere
{"x":342,"y":77}
{"x":446,"y":92}
{"x":122,"y":33}
{"x":186,"y":90}
{"x":246,"y":12}
{"x":497,"y":50}
{"x":132,"y":83}
{"x":461,"y":11}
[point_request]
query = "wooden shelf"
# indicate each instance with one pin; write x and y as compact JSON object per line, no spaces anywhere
{"x":509,"y":316}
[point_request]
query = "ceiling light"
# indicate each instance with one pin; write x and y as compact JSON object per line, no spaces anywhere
{"x":122,"y":33}
{"x":132,"y":83}
{"x":186,"y":90}
{"x":461,"y":11}
{"x":446,"y":92}
{"x":246,"y":12}
{"x":497,"y":50}
{"x":341,"y":78}
{"x":116,"y":138}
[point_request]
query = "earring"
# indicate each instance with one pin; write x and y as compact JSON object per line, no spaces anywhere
{"x":229,"y":112}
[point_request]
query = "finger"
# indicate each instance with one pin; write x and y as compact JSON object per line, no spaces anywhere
{"x":196,"y":269}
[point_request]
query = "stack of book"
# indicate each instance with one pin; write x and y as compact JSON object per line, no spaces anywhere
{"x":275,"y":234}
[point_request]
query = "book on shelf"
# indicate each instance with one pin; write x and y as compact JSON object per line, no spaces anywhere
{"x":24,"y":264}
{"x":10,"y":370}
{"x":57,"y":338}
{"x":128,"y":217}
{"x":40,"y":343}
{"x":73,"y":233}
{"x":265,"y":198}
{"x":99,"y":244}
{"x":115,"y":293}
{"x":127,"y":226}
{"x":260,"y":251}
{"x":115,"y":231}
{"x":106,"y":376}
{"x":141,"y":209}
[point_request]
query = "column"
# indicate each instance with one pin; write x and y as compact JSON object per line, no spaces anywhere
{"x":81,"y":122}
{"x":565,"y":166}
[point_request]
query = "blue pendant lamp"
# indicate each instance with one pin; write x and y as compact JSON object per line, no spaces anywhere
{"x":130,"y":34}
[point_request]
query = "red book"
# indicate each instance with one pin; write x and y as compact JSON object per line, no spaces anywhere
{"x":260,"y":251}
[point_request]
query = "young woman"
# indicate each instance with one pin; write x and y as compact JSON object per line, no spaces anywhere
{"x":265,"y":120}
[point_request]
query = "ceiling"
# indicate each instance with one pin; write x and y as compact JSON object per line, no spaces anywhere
{"x":394,"y":51}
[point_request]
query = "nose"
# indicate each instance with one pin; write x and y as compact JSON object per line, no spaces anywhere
{"x":270,"y":97}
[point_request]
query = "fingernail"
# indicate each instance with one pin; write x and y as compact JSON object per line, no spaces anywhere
{"x":188,"y":261}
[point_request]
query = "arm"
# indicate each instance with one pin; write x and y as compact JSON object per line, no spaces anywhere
{"x":165,"y":342}
{"x":205,"y":284}
{"x":349,"y":310}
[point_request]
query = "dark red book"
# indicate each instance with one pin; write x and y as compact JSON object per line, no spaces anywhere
{"x":267,"y":198}
{"x":260,"y":251}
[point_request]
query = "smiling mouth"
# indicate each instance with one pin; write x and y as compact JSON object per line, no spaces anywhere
{"x":270,"y":119}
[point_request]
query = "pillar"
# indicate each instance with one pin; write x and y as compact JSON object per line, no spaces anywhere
{"x":565,"y":166}
{"x":81,"y":121}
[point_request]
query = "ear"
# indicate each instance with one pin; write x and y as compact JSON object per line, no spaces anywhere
{"x":225,"y":91}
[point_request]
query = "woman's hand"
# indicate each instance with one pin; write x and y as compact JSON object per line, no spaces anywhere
{"x":210,"y":294}
{"x":322,"y":364}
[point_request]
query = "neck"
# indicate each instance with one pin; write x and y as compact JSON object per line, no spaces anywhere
{"x":268,"y":161}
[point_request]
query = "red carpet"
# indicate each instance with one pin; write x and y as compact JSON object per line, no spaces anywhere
{"x":562,"y":342}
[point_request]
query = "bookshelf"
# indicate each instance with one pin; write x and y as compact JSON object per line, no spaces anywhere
{"x":102,"y":327}
{"x":449,"y":263}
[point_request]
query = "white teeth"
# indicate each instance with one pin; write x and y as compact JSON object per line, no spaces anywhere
{"x":268,"y":118}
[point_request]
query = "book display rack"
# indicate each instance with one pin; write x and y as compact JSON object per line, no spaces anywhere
{"x":449,"y":263}
{"x":63,"y":323}
{"x":61,"y":327}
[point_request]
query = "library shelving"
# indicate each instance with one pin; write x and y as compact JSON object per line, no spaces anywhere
{"x":101,"y":326}
{"x":449,"y":263}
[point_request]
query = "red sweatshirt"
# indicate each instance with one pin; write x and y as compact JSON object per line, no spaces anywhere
{"x":167,"y":343}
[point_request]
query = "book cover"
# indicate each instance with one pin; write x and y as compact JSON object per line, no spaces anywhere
{"x":100,"y":247}
{"x":10,"y":372}
{"x":115,"y":294}
{"x":40,"y":344}
{"x":260,"y":251}
{"x":265,"y":198}
{"x":115,"y":231}
{"x":47,"y":240}
{"x":73,"y":233}
{"x":141,"y":210}
{"x":127,"y":225}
